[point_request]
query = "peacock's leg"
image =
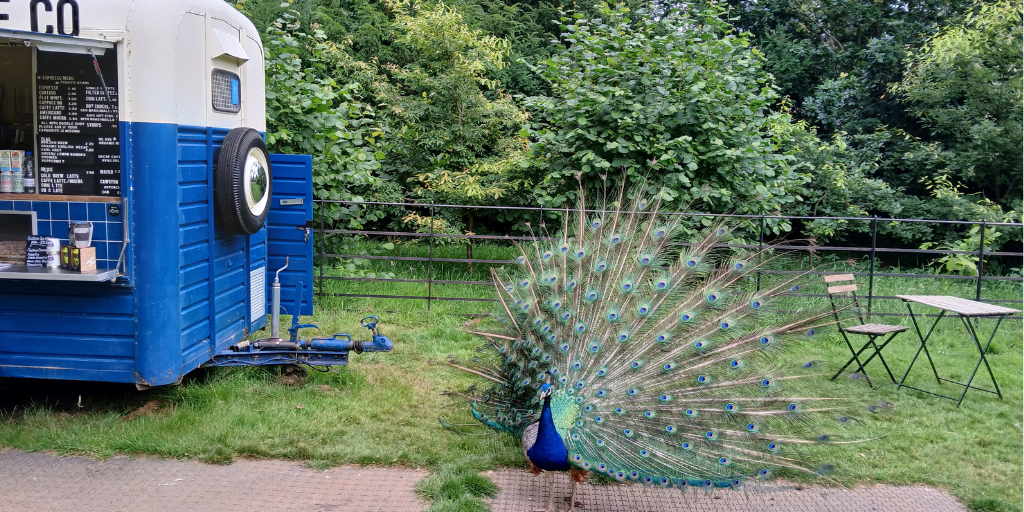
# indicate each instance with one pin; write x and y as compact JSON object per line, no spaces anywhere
{"x":551,"y":491}
{"x":572,"y":497}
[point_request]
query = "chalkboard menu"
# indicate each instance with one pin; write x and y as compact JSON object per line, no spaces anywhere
{"x":77,"y":124}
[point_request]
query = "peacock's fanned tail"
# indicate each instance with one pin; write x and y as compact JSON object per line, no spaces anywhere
{"x":661,"y":346}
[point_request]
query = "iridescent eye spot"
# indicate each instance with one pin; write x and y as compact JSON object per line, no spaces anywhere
{"x":546,"y":358}
{"x":823,"y":438}
{"x":602,"y":467}
{"x":811,"y":332}
{"x":764,"y":473}
{"x":526,"y":306}
{"x":628,"y":432}
{"x":731,"y":407}
{"x":632,"y":391}
{"x":547,"y":255}
{"x":646,"y":259}
{"x":566,"y":315}
{"x":636,"y":364}
{"x":660,"y":232}
{"x":795,"y":288}
{"x":575,"y":437}
{"x":668,"y":366}
{"x":712,"y":297}
{"x":773,"y":447}
{"x":767,"y":340}
{"x":699,"y":344}
{"x":521,"y":259}
{"x":613,"y":315}
{"x":553,"y":371}
{"x":563,"y":249}
{"x":580,"y":384}
{"x":662,"y":338}
{"x":724,"y":461}
{"x":546,"y":328}
{"x":598,"y":419}
{"x":616,"y":238}
{"x":711,"y":434}
{"x":595,"y":347}
{"x":720,"y":232}
{"x":726,"y":324}
{"x":623,"y":336}
{"x":843,"y":419}
{"x":634,"y":474}
{"x":524,"y":283}
{"x":687,"y":446}
{"x":756,"y":304}
{"x":602,"y":392}
{"x":708,"y":484}
{"x":627,"y":286}
{"x":703,"y":379}
{"x":692,"y":262}
{"x":592,"y":295}
{"x":564,"y":347}
{"x":644,"y":453}
{"x":563,"y":380}
{"x":740,"y":265}
{"x":643,"y":309}
{"x":649,"y":414}
{"x":620,"y":410}
{"x":577,"y":458}
{"x":648,"y":479}
{"x":600,"y":442}
{"x":619,"y":475}
{"x":596,"y":223}
{"x":577,"y":365}
{"x":509,"y":288}
{"x":793,"y":407}
{"x":557,"y":304}
{"x":767,"y":383}
{"x":570,"y":285}
{"x":580,"y":253}
{"x":601,"y":266}
{"x":753,"y":427}
{"x":665,"y":398}
{"x":581,"y":327}
{"x":662,"y":284}
{"x":671,"y":429}
{"x":692,"y":413}
{"x":602,"y":372}
{"x":686,"y":317}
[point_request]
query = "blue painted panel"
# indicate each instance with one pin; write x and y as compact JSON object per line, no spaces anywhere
{"x":293,"y":179}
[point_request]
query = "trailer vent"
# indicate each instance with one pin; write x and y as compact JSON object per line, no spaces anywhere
{"x":227,"y":91}
{"x":257,"y":294}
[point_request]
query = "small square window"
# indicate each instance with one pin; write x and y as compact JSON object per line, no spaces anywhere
{"x":227,"y":91}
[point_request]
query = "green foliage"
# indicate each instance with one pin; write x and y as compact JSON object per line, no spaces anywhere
{"x":457,"y":144}
{"x":308,"y":112}
{"x":683,"y":100}
{"x":965,"y":86}
{"x":456,"y":488}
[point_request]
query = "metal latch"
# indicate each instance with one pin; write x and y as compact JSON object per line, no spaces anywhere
{"x":308,"y":229}
{"x":293,"y":202}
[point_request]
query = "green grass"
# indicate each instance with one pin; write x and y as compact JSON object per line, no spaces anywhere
{"x":383,"y":408}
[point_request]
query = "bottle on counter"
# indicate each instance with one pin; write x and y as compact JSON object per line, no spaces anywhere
{"x":18,"y":180}
{"x":30,"y":173}
{"x":6,"y":185}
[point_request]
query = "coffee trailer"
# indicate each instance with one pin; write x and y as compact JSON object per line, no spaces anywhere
{"x":145,"y":119}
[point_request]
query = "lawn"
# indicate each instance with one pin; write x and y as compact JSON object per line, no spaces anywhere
{"x":384,"y":408}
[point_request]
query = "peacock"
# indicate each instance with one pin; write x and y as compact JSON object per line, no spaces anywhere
{"x":639,"y":347}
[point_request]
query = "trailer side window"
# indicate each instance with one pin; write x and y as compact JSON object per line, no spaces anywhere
{"x":227,"y":91}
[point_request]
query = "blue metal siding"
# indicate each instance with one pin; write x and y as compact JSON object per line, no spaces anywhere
{"x":293,"y":179}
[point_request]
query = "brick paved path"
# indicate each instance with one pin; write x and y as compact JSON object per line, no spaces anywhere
{"x":37,"y":482}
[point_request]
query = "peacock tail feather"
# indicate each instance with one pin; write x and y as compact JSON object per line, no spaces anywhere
{"x":663,"y":355}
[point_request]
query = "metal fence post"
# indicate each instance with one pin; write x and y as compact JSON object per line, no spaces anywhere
{"x":760,"y":251}
{"x":323,"y":250}
{"x":430,"y":261}
{"x":981,"y":260}
{"x":871,"y":270}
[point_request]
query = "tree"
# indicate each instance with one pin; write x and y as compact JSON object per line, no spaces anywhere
{"x":682,"y":100}
{"x":965,"y":86}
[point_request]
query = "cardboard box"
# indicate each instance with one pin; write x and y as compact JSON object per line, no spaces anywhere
{"x":5,"y":160}
{"x":17,"y":158}
{"x":83,"y":259}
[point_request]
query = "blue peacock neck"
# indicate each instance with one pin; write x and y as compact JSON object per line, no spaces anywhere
{"x":549,"y":451}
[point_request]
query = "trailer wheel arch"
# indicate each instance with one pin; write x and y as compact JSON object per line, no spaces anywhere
{"x":243,"y":181}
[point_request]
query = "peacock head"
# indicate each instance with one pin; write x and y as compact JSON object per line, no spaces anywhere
{"x":545,"y":390}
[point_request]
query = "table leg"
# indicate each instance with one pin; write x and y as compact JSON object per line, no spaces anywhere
{"x":924,"y":341}
{"x":981,"y":351}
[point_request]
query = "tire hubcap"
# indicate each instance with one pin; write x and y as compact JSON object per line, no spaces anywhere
{"x":256,"y":182}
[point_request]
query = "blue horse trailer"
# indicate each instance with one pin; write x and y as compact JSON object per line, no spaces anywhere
{"x":145,"y":121}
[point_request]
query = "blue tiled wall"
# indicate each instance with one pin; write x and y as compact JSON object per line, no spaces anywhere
{"x":52,"y":218}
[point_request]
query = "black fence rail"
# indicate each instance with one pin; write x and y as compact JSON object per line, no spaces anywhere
{"x":758,"y":223}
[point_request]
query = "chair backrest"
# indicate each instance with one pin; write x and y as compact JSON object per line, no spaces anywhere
{"x":842,"y":288}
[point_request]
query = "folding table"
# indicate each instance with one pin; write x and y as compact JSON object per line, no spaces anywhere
{"x":965,"y":309}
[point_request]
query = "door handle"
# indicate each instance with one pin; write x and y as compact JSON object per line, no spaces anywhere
{"x":307,"y":229}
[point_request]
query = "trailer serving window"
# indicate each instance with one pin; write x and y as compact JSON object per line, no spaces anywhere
{"x":60,"y":148}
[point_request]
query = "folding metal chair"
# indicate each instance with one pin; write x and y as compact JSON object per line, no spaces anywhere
{"x":872,"y":331}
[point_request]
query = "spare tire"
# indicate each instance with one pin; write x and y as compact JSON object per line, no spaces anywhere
{"x":243,"y":181}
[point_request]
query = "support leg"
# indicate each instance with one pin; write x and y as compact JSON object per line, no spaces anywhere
{"x":572,"y":496}
{"x":551,"y":491}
